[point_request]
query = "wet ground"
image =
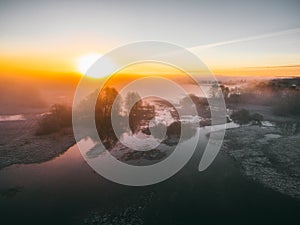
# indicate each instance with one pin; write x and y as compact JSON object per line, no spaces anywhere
{"x":66,"y":190}
{"x":19,"y":144}
{"x":269,"y":155}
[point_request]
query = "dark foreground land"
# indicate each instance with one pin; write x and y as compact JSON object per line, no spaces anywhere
{"x":19,"y":143}
{"x":255,"y":179}
{"x":268,"y":155}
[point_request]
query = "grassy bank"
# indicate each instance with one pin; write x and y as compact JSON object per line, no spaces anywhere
{"x":20,"y":145}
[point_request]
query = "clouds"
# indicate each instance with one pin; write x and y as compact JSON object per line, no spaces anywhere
{"x":246,"y":39}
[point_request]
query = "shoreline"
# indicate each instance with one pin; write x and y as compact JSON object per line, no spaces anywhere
{"x":20,"y":145}
{"x":267,"y":156}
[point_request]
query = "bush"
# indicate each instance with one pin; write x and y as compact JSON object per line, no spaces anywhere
{"x":241,"y":116}
{"x":257,"y":118}
{"x":289,"y":105}
{"x":174,"y":129}
{"x":60,"y":116}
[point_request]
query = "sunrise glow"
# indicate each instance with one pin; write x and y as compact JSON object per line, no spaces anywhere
{"x":86,"y":61}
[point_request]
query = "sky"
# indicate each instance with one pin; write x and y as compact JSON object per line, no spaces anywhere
{"x":230,"y":37}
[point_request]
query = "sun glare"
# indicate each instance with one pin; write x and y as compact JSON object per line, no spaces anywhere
{"x":86,"y":61}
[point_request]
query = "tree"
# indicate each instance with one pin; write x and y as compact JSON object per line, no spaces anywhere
{"x":103,"y":111}
{"x":225,"y":91}
{"x":105,"y":102}
{"x":133,"y":100}
{"x":200,"y":104}
{"x":59,"y":117}
{"x":214,"y":91}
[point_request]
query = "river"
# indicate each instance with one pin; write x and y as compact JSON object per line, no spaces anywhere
{"x":65,"y":190}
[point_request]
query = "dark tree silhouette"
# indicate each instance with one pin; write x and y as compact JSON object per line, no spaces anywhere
{"x":140,"y":113}
{"x":132,"y":99}
{"x":60,"y":116}
{"x":201,"y":105}
{"x":103,"y":113}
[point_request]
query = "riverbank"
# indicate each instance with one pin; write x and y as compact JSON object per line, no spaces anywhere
{"x":268,"y":155}
{"x":266,"y":111}
{"x":66,"y":190}
{"x":20,"y":145}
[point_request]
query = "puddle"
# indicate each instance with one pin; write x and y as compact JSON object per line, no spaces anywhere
{"x":272,"y":136}
{"x":11,"y":117}
{"x":267,"y":124}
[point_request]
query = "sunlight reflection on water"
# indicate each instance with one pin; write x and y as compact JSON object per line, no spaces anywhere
{"x":11,"y":117}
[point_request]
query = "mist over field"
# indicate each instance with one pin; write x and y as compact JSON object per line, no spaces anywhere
{"x":30,"y":95}
{"x":149,"y":112}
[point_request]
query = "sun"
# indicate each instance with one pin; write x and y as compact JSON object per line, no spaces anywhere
{"x":86,"y":61}
{"x":108,"y":66}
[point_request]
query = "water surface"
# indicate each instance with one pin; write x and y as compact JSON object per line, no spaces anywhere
{"x":11,"y":117}
{"x":65,"y":189}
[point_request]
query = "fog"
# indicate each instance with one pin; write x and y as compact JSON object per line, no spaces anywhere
{"x":26,"y":95}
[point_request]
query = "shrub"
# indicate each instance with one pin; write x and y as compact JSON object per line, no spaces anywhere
{"x":257,"y":117}
{"x":174,"y":129}
{"x":289,"y":105}
{"x":60,"y":116}
{"x":241,"y":116}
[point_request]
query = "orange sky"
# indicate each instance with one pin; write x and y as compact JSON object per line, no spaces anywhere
{"x":269,"y":71}
{"x":60,"y":59}
{"x":66,"y":67}
{"x":45,"y":39}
